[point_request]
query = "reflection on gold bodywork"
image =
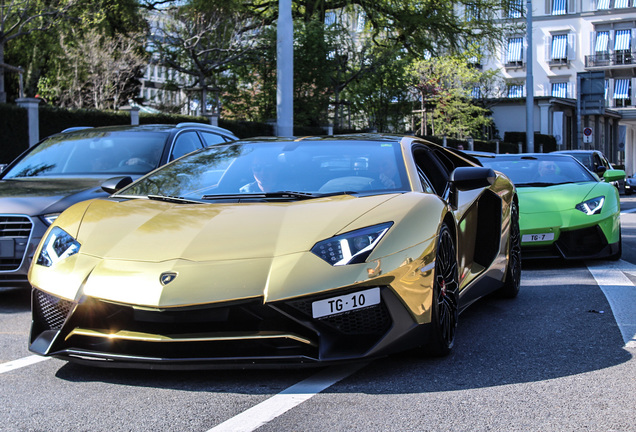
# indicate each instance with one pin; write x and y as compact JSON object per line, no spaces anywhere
{"x":215,"y":337}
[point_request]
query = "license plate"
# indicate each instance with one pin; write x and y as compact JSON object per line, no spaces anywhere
{"x":345,"y":303}
{"x":7,"y":248}
{"x":527,"y":238}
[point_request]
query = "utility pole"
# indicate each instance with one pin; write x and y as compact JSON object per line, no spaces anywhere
{"x":529,"y":82}
{"x":285,"y":70}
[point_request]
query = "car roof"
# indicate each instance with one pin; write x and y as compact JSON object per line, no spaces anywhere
{"x":577,"y":151}
{"x":152,"y":128}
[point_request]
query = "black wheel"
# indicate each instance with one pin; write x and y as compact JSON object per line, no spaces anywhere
{"x":445,"y":296}
{"x":619,"y":252}
{"x":510,"y":288}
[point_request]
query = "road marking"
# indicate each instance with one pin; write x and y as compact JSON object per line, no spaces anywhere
{"x":633,"y":210}
{"x":611,"y":277}
{"x":20,"y":363}
{"x":279,"y":404}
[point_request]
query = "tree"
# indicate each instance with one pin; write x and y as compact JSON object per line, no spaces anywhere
{"x":45,"y":60}
{"x":19,"y":18}
{"x":446,"y":85}
{"x":202,"y":41}
{"x":100,"y":72}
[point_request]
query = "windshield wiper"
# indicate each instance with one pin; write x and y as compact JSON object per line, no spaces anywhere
{"x":541,"y":184}
{"x":173,"y":199}
{"x":275,"y":195}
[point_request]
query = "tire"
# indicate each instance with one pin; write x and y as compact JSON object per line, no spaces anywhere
{"x":511,"y":285}
{"x":619,"y":253}
{"x":445,"y":296}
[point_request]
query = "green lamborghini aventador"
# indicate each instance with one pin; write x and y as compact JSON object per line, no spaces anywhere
{"x":565,"y":211}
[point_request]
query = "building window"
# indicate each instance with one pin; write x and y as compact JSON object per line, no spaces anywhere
{"x":472,"y":12}
{"x":559,"y":7}
{"x":622,"y":92}
{"x":602,"y":4}
{"x":622,"y":46}
{"x":559,"y":52}
{"x":560,"y":90}
{"x":476,"y":92}
{"x":515,"y":46}
{"x":515,"y":90}
{"x":515,"y":9}
{"x":602,"y":43}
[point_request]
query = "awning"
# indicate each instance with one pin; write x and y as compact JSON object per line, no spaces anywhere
{"x":603,"y":4}
{"x":560,"y":90}
{"x":622,"y":40}
{"x":618,"y":4}
{"x":515,"y":46}
{"x":602,"y":42}
{"x":621,"y":88}
{"x":559,"y":7}
{"x":559,"y":47}
{"x":515,"y":91}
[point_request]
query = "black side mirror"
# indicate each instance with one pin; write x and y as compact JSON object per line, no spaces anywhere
{"x":114,"y":184}
{"x":468,"y":178}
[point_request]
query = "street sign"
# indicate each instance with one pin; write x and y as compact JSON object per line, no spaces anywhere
{"x":587,"y":135}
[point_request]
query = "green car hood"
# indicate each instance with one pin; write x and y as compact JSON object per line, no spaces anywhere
{"x":556,"y":198}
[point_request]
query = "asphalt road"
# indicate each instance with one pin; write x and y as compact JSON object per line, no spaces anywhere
{"x":560,"y":357}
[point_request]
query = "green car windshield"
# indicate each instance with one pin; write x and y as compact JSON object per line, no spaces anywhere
{"x":278,"y":170}
{"x":539,"y":170}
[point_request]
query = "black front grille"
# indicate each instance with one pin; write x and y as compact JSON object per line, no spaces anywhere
{"x":15,"y":226}
{"x":50,"y":311}
{"x":14,"y":236}
{"x":371,"y":320}
{"x":582,"y":242}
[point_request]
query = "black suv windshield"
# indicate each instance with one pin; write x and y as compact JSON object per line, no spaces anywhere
{"x":90,"y":152}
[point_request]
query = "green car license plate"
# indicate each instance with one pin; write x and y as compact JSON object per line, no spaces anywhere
{"x":529,"y":238}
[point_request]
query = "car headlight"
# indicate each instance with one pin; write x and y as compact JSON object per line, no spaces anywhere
{"x":352,"y":247}
{"x":50,"y":218}
{"x":592,"y":206}
{"x":58,"y":245}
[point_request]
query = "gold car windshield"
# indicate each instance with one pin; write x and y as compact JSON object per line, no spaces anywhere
{"x":276,"y":168}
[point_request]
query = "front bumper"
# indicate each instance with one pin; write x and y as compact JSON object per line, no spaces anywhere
{"x":241,"y":334}
{"x":19,"y":237}
{"x":584,"y":243}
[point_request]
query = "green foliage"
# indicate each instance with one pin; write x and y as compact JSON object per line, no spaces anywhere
{"x":444,"y":86}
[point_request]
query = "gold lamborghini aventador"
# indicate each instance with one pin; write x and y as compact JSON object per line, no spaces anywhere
{"x":277,"y":252}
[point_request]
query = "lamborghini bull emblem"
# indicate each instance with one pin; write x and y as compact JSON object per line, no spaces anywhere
{"x":167,"y":277}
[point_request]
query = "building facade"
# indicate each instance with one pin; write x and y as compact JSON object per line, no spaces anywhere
{"x":584,"y":75}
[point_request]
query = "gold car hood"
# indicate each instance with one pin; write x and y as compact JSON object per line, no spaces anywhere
{"x":226,"y":252}
{"x":154,"y":231}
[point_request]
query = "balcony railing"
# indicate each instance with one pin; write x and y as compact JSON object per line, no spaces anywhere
{"x":617,"y":58}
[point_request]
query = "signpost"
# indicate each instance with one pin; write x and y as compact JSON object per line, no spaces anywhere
{"x":587,"y":135}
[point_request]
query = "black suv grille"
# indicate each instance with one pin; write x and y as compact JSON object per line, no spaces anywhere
{"x":14,"y":237}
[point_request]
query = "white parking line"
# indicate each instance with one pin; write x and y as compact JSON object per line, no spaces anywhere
{"x":20,"y":363}
{"x":277,"y":405}
{"x":620,"y":292}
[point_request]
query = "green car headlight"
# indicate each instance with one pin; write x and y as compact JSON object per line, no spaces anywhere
{"x":58,"y":245}
{"x":592,"y":206}
{"x":352,"y":247}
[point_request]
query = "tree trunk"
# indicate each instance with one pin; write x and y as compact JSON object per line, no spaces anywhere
{"x":3,"y":94}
